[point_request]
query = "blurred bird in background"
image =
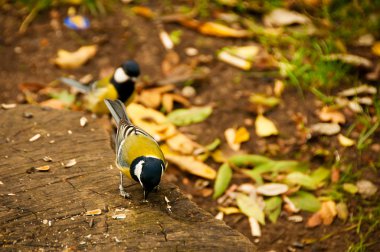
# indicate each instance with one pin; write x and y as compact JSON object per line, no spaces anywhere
{"x":120,"y":85}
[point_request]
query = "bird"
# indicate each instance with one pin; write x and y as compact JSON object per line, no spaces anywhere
{"x":138,"y":155}
{"x":120,"y":85}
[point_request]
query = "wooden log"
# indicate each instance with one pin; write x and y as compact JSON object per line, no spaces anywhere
{"x":47,"y":210}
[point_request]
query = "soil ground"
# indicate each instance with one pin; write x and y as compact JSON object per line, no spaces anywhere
{"x":26,"y":58}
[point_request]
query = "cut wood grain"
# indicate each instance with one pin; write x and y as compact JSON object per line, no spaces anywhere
{"x":47,"y":209}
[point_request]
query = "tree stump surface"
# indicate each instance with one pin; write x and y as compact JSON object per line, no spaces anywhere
{"x":47,"y":210}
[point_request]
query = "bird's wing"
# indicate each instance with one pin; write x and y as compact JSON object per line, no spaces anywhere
{"x":76,"y":84}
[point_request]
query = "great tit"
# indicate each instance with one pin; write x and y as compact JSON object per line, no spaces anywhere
{"x":120,"y":85}
{"x":138,"y":155}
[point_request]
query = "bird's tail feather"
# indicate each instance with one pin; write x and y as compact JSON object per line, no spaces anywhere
{"x":117,"y":110}
{"x":76,"y":84}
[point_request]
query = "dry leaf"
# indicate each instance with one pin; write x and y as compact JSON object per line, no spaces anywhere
{"x":143,"y":11}
{"x":234,"y":60}
{"x":94,"y":212}
{"x":328,"y":212}
{"x":283,"y":17}
{"x":265,"y":127}
{"x":230,"y":135}
{"x":363,"y":89}
{"x":376,"y":48}
{"x":255,"y":227}
{"x":229,"y":210}
{"x":328,"y":114}
{"x":342,"y":211}
{"x":244,"y":52}
{"x":366,"y":188}
{"x":150,"y":99}
{"x":345,"y":141}
{"x":72,"y":60}
{"x":189,"y":164}
{"x":314,"y":220}
{"x":182,"y":144}
{"x":167,"y":102}
{"x":43,"y":168}
{"x":152,"y":121}
{"x":219,"y":30}
{"x":241,"y":135}
{"x":272,"y":189}
{"x":53,"y":103}
{"x":351,"y":59}
{"x":35,"y":137}
{"x":278,"y":88}
{"x":327,"y":129}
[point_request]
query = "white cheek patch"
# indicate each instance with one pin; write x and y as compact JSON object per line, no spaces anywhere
{"x":120,"y":75}
{"x":138,"y":170}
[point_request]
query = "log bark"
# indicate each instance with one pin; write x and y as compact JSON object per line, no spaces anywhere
{"x":47,"y":210}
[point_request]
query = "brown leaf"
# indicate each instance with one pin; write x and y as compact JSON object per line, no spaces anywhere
{"x":328,"y":212}
{"x":182,"y":144}
{"x":170,"y":61}
{"x":150,"y":99}
{"x":328,"y":114}
{"x":167,"y":102}
{"x":143,"y":11}
{"x":335,"y":175}
{"x":314,"y":220}
{"x":219,"y":30}
{"x":53,"y":103}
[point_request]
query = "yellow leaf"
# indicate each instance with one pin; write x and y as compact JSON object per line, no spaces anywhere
{"x":71,"y":60}
{"x":279,"y":87}
{"x":241,"y":135}
{"x":234,"y":60}
{"x":191,"y":165}
{"x":229,"y":210}
{"x":230,"y":135}
{"x":328,"y":212}
{"x":265,"y":127}
{"x":150,"y":98}
{"x":376,"y":48}
{"x":143,"y":11}
{"x":182,"y":144}
{"x":218,"y":156}
{"x":152,"y":121}
{"x":219,"y":30}
{"x":328,"y":114}
{"x":167,"y":102}
{"x":345,"y":141}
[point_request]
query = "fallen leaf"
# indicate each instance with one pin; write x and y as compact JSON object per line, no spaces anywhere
{"x":283,"y":17}
{"x":363,"y":89}
{"x":366,"y":188}
{"x":229,"y":210}
{"x":255,"y":227}
{"x":70,"y":163}
{"x":64,"y":96}
{"x":314,"y":220}
{"x":43,"y":168}
{"x":289,"y":206}
{"x":223,"y":178}
{"x":345,"y":141}
{"x":182,"y":117}
{"x":53,"y":103}
{"x":376,"y":48}
{"x":301,"y":179}
{"x":328,"y":212}
{"x":152,"y":121}
{"x":350,"y":59}
{"x":350,"y":188}
{"x":273,"y":208}
{"x":219,"y":30}
{"x":328,"y":114}
{"x":335,"y":175}
{"x":150,"y":99}
{"x":305,"y":201}
{"x":34,"y":138}
{"x":249,"y":207}
{"x":230,"y":135}
{"x":166,"y":40}
{"x":94,"y":212}
{"x":167,"y":102}
{"x":72,"y":60}
{"x":234,"y":60}
{"x":244,"y":52}
{"x":319,"y":176}
{"x":8,"y":106}
{"x":265,"y":127}
{"x":191,"y":165}
{"x":241,"y":135}
{"x":278,"y":88}
{"x":182,"y":144}
{"x":218,"y":156}
{"x":215,"y":144}
{"x":264,"y":100}
{"x":342,"y":211}
{"x":219,"y":216}
{"x":327,"y":129}
{"x":272,"y":189}
{"x":143,"y":11}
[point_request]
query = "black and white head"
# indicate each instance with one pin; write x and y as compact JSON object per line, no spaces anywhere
{"x":148,"y":172}
{"x":128,"y":71}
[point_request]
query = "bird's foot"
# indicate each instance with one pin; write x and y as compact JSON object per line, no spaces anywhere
{"x":157,"y":188}
{"x":123,"y":193}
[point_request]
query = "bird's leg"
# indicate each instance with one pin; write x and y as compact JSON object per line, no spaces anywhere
{"x":157,"y":188}
{"x":123,"y":193}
